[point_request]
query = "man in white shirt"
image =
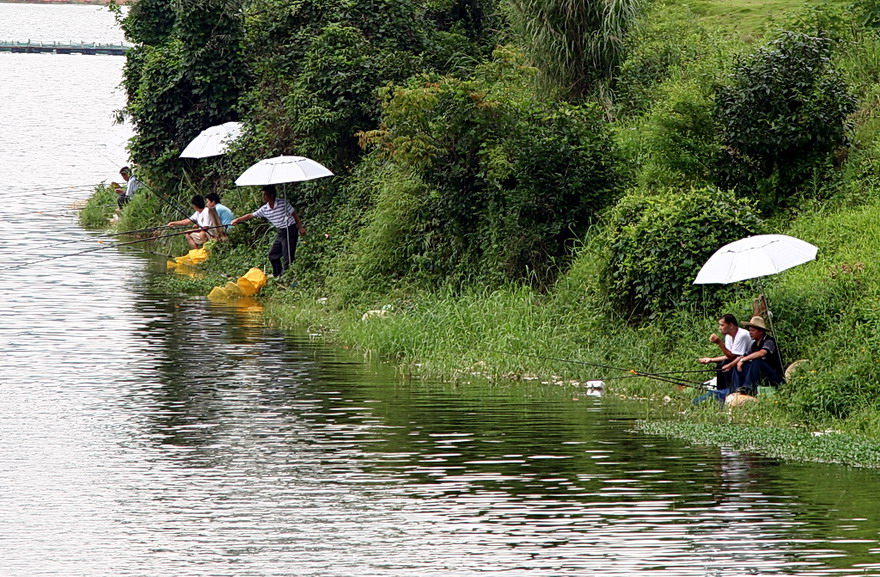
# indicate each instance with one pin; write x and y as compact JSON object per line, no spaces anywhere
{"x":735,"y":344}
{"x":198,"y":236}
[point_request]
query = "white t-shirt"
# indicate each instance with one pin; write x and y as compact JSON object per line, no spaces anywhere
{"x":204,"y":218}
{"x":740,"y":344}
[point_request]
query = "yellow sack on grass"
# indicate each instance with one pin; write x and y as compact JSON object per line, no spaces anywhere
{"x":193,"y":257}
{"x":248,"y":285}
{"x":227,"y":292}
{"x":252,"y":282}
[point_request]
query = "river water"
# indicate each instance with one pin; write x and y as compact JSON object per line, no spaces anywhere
{"x":143,"y":434}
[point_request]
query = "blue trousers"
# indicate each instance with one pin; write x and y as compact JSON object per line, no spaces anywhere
{"x":752,"y":373}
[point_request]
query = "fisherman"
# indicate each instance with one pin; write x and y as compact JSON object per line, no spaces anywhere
{"x":212,"y":200}
{"x":201,"y":218}
{"x":761,"y":362}
{"x":736,"y":343}
{"x":283,"y":216}
{"x":131,"y":186}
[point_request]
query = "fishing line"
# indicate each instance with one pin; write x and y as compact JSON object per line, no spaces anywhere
{"x":100,"y":236}
{"x":53,"y":189}
{"x":95,"y":249}
{"x":634,"y":373}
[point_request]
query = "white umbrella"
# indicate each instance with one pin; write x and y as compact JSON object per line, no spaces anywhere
{"x":212,"y":141}
{"x":753,"y":257}
{"x":282,"y":169}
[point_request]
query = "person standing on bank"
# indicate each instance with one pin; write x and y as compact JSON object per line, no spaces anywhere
{"x":735,"y":344}
{"x":762,"y":362}
{"x":289,"y":227}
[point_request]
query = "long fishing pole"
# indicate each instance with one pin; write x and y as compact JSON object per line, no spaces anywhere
{"x":95,"y":249}
{"x":597,"y":365}
{"x":656,"y":376}
{"x":176,"y":206}
{"x":679,"y":382}
{"x":100,"y":236}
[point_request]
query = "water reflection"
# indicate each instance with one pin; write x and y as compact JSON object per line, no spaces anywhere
{"x":287,"y":446}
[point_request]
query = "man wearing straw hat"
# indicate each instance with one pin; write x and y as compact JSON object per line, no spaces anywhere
{"x":762,"y":361}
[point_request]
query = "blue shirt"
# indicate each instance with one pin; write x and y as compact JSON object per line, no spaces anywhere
{"x":225,"y":214}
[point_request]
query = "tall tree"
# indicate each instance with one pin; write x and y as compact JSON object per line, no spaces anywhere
{"x":575,"y":44}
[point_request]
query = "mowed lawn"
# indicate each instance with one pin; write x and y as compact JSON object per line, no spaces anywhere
{"x":748,"y":18}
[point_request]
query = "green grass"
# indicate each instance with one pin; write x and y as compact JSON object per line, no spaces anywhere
{"x":782,"y":443}
{"x":750,"y":19}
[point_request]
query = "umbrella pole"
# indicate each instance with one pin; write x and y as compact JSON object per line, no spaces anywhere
{"x":769,"y":315}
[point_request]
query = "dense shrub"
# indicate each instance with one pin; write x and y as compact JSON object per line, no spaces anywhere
{"x":148,"y":21}
{"x":185,"y":74}
{"x":657,"y":243}
{"x":782,"y":113}
{"x":511,"y":180}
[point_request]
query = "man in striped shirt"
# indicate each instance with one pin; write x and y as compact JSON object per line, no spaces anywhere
{"x":286,"y":220}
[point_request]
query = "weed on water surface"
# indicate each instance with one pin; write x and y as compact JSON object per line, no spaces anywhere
{"x":825,"y":446}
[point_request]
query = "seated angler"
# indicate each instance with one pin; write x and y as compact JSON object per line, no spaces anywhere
{"x":736,"y":343}
{"x":212,"y":200}
{"x":201,"y":219}
{"x":762,"y":362}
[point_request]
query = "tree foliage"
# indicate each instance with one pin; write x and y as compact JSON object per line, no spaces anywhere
{"x":185,"y":73}
{"x":511,"y":180}
{"x":656,"y":244}
{"x":782,"y":113}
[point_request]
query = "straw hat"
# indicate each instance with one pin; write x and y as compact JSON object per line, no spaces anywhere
{"x":756,"y":322}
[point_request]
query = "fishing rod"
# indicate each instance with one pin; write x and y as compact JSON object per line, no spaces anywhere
{"x":597,"y":365}
{"x":95,"y":249}
{"x":173,"y":204}
{"x":100,"y":236}
{"x":634,"y":373}
{"x":661,"y":378}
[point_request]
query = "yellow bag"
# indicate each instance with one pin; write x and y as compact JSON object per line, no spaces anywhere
{"x":193,"y":257}
{"x":251,"y":283}
{"x":246,"y":286}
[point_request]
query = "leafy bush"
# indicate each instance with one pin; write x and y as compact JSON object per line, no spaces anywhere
{"x":185,"y":74}
{"x":511,"y":179}
{"x":782,"y":114}
{"x":657,"y":243}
